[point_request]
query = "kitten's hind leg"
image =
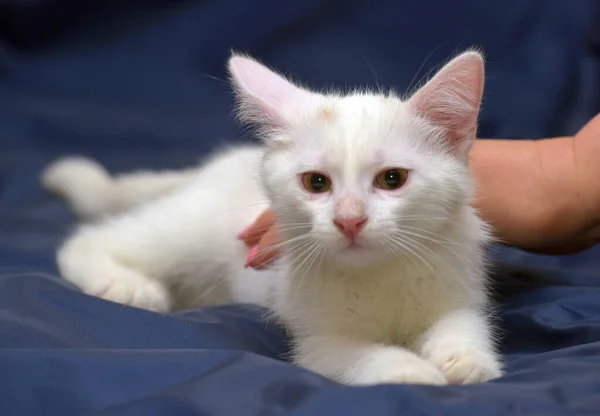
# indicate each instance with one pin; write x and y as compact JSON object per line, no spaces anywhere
{"x":135,"y":257}
{"x":93,"y":192}
{"x":89,"y":259}
{"x":184,"y":239}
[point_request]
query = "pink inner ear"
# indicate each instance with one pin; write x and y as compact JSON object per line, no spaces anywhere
{"x":265,"y":96}
{"x":452,"y":98}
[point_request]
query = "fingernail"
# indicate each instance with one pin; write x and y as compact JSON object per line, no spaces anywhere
{"x":251,"y":256}
{"x":242,"y":234}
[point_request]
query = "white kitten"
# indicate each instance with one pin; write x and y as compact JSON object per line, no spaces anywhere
{"x":382,"y":276}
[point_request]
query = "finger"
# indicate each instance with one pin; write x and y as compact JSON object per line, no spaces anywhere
{"x":252,"y":235}
{"x":266,"y":250}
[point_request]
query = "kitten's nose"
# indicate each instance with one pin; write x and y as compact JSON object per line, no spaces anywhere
{"x":350,"y":227}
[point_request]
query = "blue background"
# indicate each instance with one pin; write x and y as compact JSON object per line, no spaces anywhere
{"x":141,"y":84}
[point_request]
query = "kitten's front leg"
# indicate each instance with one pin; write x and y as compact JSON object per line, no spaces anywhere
{"x":460,"y":344}
{"x":360,"y":363}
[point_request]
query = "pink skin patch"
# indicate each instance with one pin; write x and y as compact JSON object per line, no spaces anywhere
{"x":251,"y":256}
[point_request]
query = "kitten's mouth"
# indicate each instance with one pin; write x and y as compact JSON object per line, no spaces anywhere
{"x":354,"y":246}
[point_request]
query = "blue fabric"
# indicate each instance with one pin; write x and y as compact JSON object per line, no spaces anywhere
{"x":140,"y":84}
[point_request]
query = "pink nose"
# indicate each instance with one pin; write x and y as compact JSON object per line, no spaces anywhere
{"x":350,"y":227}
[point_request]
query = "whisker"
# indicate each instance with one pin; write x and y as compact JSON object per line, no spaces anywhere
{"x":284,"y":243}
{"x":441,"y":260}
{"x":423,"y":217}
{"x":306,"y":254}
{"x":211,"y":288}
{"x":283,"y":229}
{"x":407,"y":245}
{"x":416,"y":232}
{"x":312,"y":256}
{"x":400,"y":255}
{"x":415,"y":76}
{"x":288,"y":252}
{"x":444,"y":246}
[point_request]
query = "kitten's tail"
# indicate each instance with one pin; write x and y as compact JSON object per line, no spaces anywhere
{"x":85,"y":184}
{"x":92,"y":192}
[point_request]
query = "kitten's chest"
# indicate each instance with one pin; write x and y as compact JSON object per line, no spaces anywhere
{"x":386,"y":305}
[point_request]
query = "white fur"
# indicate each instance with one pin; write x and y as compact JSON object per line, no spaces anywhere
{"x":93,"y":193}
{"x":410,"y":305}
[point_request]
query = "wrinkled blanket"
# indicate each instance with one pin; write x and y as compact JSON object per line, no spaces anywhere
{"x":142,"y":84}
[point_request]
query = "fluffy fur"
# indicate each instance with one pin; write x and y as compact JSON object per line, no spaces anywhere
{"x":406,"y":301}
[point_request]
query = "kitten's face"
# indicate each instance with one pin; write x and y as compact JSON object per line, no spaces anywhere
{"x":362,"y":177}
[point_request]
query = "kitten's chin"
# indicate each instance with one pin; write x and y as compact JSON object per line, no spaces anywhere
{"x":357,"y":255}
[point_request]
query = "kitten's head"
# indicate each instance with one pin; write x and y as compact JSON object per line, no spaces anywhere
{"x":364,"y":176}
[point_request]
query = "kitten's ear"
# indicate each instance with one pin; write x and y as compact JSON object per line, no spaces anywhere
{"x":265,"y":98}
{"x":451,"y":101}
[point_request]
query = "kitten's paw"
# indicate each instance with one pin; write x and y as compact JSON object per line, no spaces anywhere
{"x":417,"y":374}
{"x":466,"y":365}
{"x":404,"y":367}
{"x":148,"y":295}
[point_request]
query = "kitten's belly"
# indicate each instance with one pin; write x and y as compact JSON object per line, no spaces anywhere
{"x":225,"y":198}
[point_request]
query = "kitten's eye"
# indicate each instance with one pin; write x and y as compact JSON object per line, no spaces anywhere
{"x":391,"y":179}
{"x":316,"y":182}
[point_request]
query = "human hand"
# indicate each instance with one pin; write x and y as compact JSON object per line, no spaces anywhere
{"x":541,"y":195}
{"x":263,"y":236}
